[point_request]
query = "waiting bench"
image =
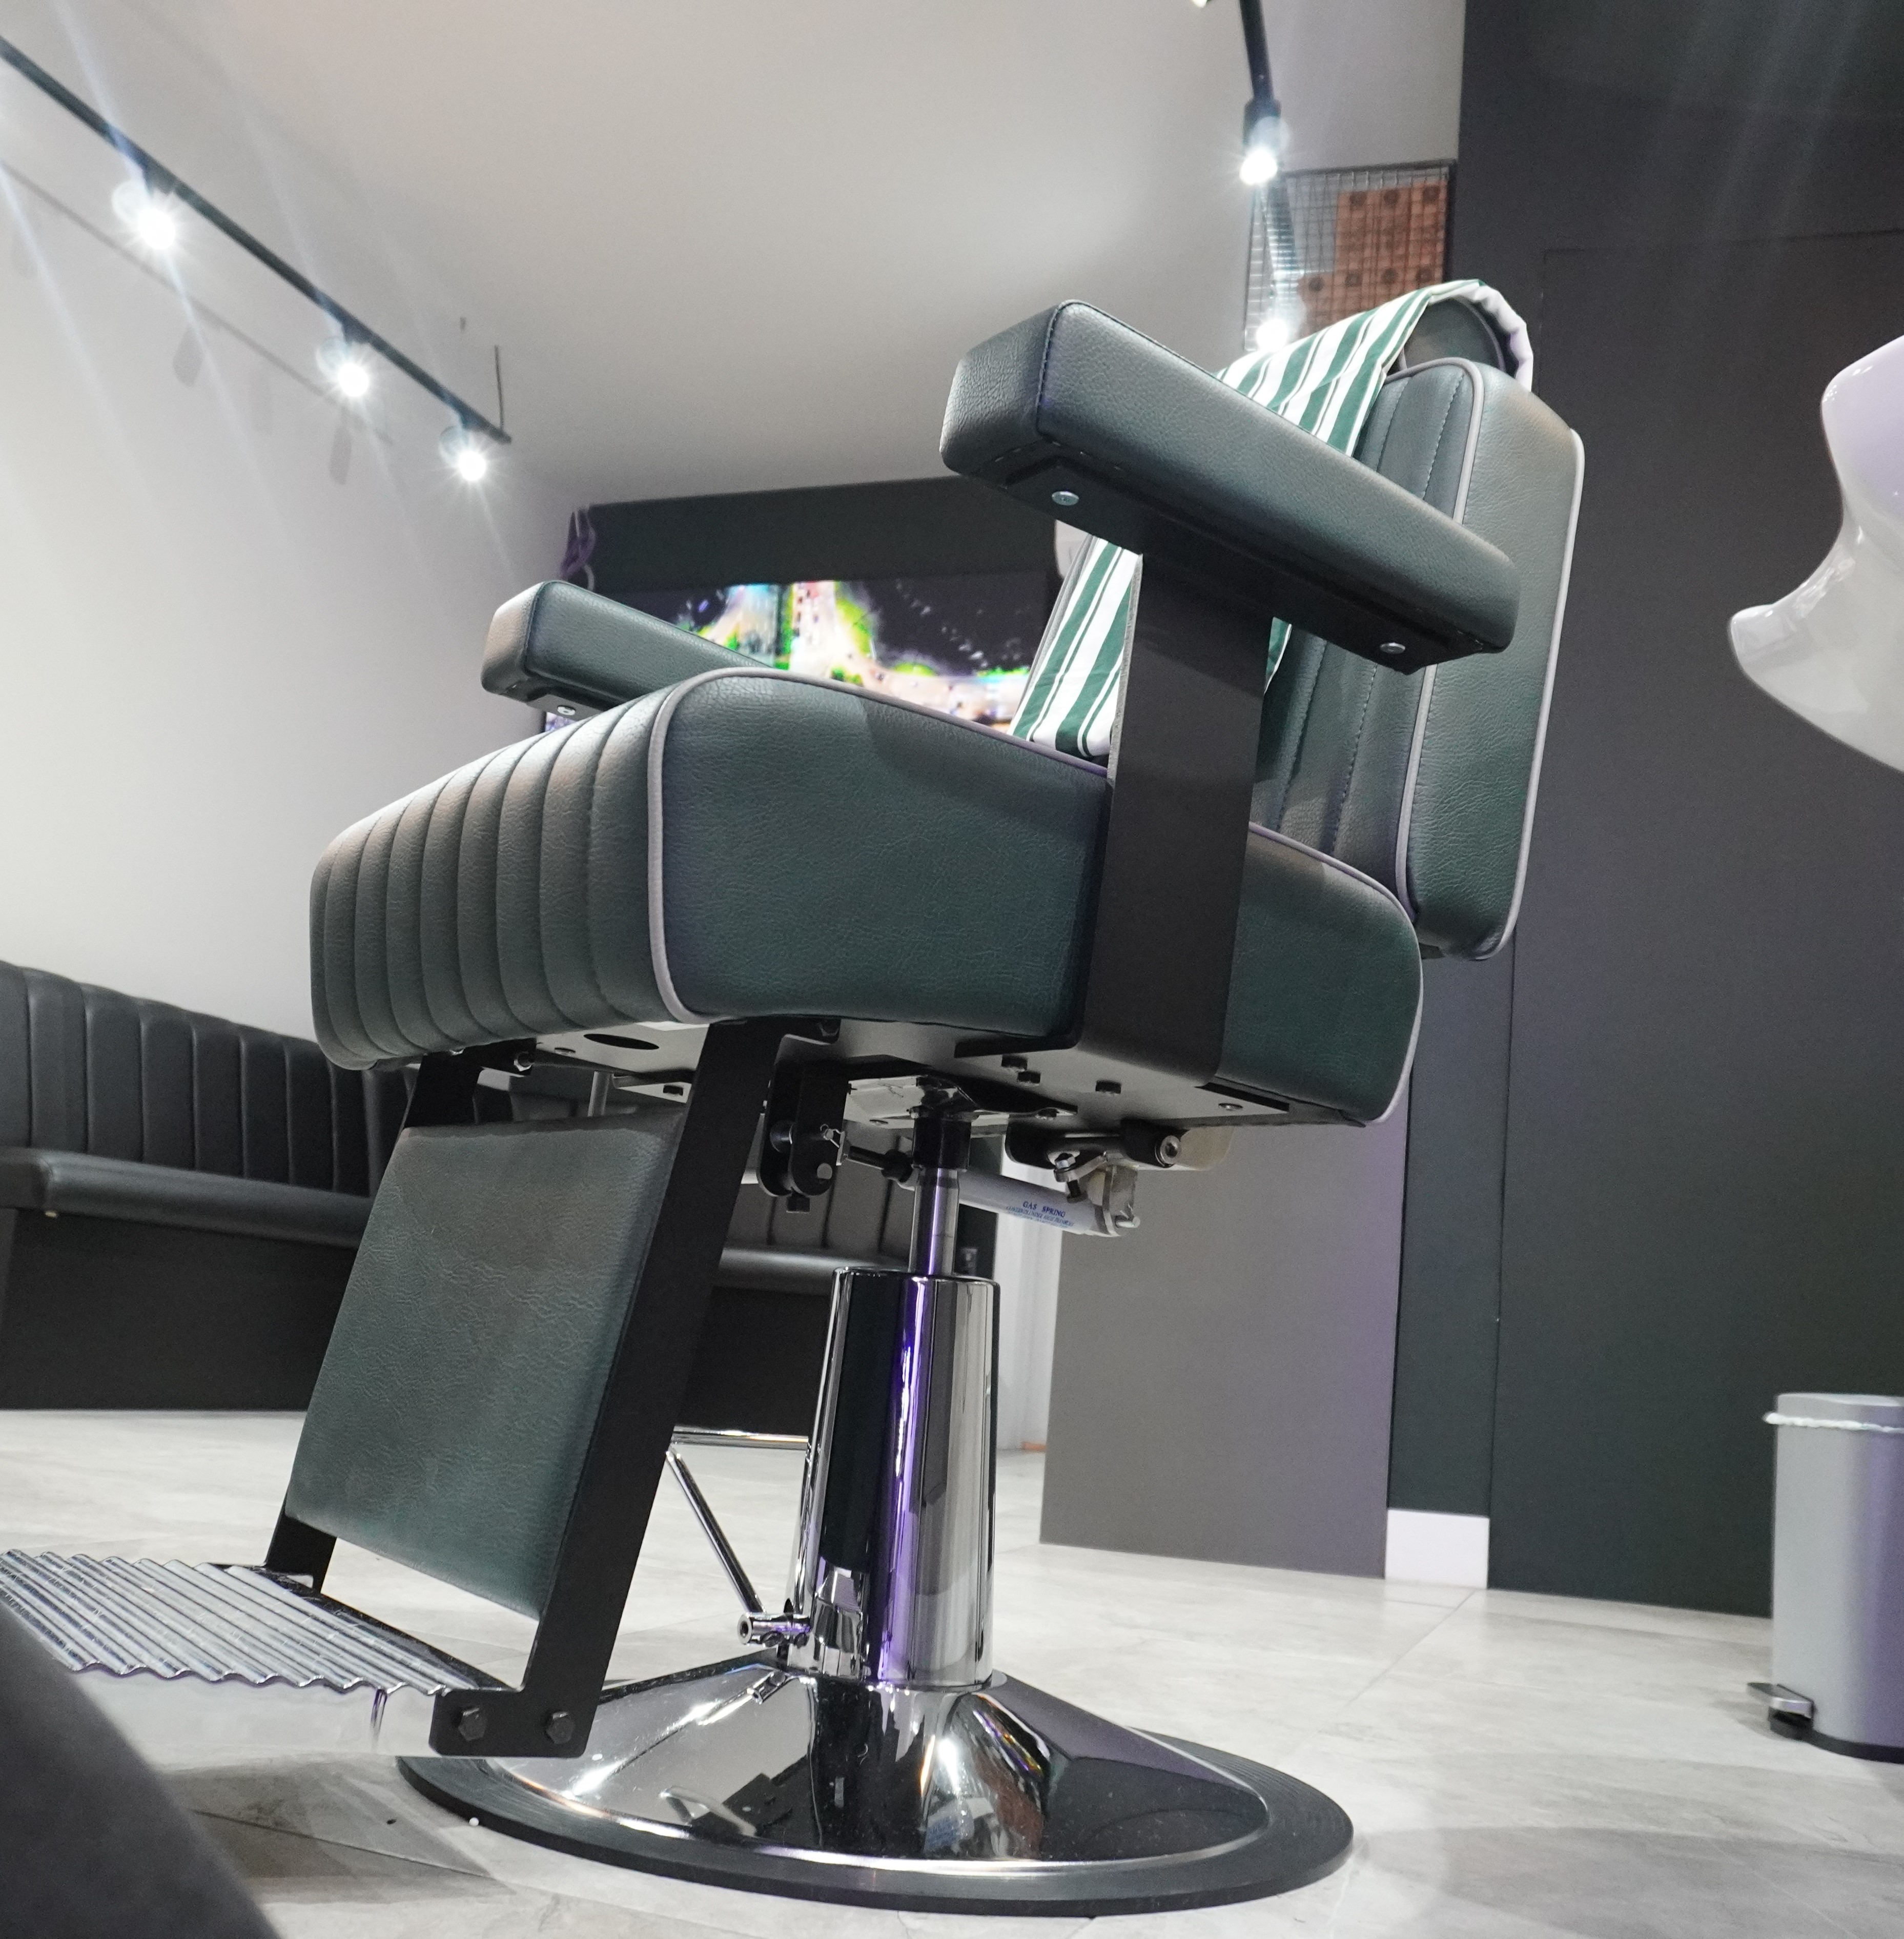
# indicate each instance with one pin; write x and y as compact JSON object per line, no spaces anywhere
{"x":181,"y":1198}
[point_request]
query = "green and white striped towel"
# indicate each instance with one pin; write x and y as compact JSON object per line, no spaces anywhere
{"x":1327,"y":383}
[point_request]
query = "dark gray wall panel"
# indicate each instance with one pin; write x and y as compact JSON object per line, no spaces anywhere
{"x":1441,"y":1456}
{"x":1705,"y":1167}
{"x":1703,"y":1143}
{"x":1221,"y":1378}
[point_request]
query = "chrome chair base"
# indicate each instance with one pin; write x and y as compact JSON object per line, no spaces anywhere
{"x":996,"y":1799}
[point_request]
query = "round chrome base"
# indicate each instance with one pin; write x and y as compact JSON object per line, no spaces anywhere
{"x":999,"y":1799}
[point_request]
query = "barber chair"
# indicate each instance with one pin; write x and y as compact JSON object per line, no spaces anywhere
{"x":907,"y":939}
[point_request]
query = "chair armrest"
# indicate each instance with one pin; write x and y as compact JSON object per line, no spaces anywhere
{"x":558,"y":642}
{"x":34,"y":1180}
{"x":1167,"y":460}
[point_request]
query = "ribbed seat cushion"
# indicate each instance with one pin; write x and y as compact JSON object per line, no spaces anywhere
{"x":749,"y":843}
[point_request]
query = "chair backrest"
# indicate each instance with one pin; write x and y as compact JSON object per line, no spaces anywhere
{"x":1427,"y":781}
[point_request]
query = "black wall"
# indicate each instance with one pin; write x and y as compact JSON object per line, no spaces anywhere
{"x":1441,"y":1435}
{"x":1699,"y":1201}
{"x":914,"y":527}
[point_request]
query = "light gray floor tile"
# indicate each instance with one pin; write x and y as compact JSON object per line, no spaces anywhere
{"x":1643,"y":1616}
{"x":1518,"y":1766}
{"x":309,"y":1890}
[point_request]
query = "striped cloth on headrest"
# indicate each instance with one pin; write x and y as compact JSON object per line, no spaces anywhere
{"x":1326,"y":383}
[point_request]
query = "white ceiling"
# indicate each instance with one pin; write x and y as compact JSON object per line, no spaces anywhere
{"x":733,"y":244}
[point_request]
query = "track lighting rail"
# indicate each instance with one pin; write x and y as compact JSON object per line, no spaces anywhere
{"x":159,"y":180}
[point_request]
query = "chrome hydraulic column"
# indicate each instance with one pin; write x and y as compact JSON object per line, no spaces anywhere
{"x":892,"y":1572}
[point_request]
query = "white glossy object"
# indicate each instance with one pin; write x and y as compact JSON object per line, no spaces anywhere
{"x":1832,"y":650}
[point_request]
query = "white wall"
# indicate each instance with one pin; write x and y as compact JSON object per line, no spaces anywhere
{"x":1026,"y":1266}
{"x":1363,"y":82}
{"x":742,"y":244}
{"x":227,"y":630}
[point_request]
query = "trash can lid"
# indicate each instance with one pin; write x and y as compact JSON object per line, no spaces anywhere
{"x":1835,"y":1410}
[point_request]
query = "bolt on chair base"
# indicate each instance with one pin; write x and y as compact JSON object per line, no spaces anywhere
{"x":996,"y":1799}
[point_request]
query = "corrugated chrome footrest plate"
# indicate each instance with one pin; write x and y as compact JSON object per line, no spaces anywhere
{"x":185,"y":1655}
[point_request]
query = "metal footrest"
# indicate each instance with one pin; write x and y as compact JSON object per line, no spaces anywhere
{"x":205,"y":1654}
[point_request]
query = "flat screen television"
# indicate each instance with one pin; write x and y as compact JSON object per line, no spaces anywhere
{"x":962,"y":642}
{"x":934,"y":591}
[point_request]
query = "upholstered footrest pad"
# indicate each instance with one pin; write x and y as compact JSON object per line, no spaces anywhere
{"x":749,"y":844}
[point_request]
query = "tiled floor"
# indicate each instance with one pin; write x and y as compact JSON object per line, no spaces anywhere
{"x":1518,"y":1767}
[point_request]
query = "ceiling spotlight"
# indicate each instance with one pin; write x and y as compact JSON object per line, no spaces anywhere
{"x":468,"y":454}
{"x":1274,"y":333}
{"x":1262,"y":132}
{"x":347,"y":368}
{"x":151,"y":218}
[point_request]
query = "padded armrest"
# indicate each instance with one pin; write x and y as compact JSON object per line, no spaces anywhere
{"x":558,"y":642}
{"x":1169,"y":461}
{"x":33,"y":1180}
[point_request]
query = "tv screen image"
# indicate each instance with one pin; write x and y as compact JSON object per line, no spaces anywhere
{"x":962,"y":643}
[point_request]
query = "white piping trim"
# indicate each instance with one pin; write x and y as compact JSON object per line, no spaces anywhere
{"x":657,"y":900}
{"x":1405,"y":822}
{"x":657,"y":750}
{"x":1348,"y":868}
{"x":1547,"y":701}
{"x":1283,"y":841}
{"x":1407,"y":1064}
{"x":1840,"y":1426}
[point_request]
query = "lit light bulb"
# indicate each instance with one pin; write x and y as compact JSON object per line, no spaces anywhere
{"x":1274,"y":333}
{"x":346,"y":369}
{"x":157,"y":228}
{"x":468,"y":454}
{"x":1262,"y":141}
{"x":151,"y":218}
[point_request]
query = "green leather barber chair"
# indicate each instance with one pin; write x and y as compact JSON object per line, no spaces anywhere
{"x":903,"y":937}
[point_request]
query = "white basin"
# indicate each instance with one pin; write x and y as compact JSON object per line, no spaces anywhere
{"x":1832,"y":650}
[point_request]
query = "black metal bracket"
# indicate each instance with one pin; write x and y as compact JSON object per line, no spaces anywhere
{"x":800,"y":1146}
{"x":298,"y":1549}
{"x":1176,"y":829}
{"x":1175,"y":836}
{"x":1156,"y":987}
{"x":446,"y":1091}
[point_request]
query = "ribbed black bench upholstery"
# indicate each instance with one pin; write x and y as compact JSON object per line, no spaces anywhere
{"x":202,"y":1186}
{"x":208,"y":1183}
{"x":123,"y":1079}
